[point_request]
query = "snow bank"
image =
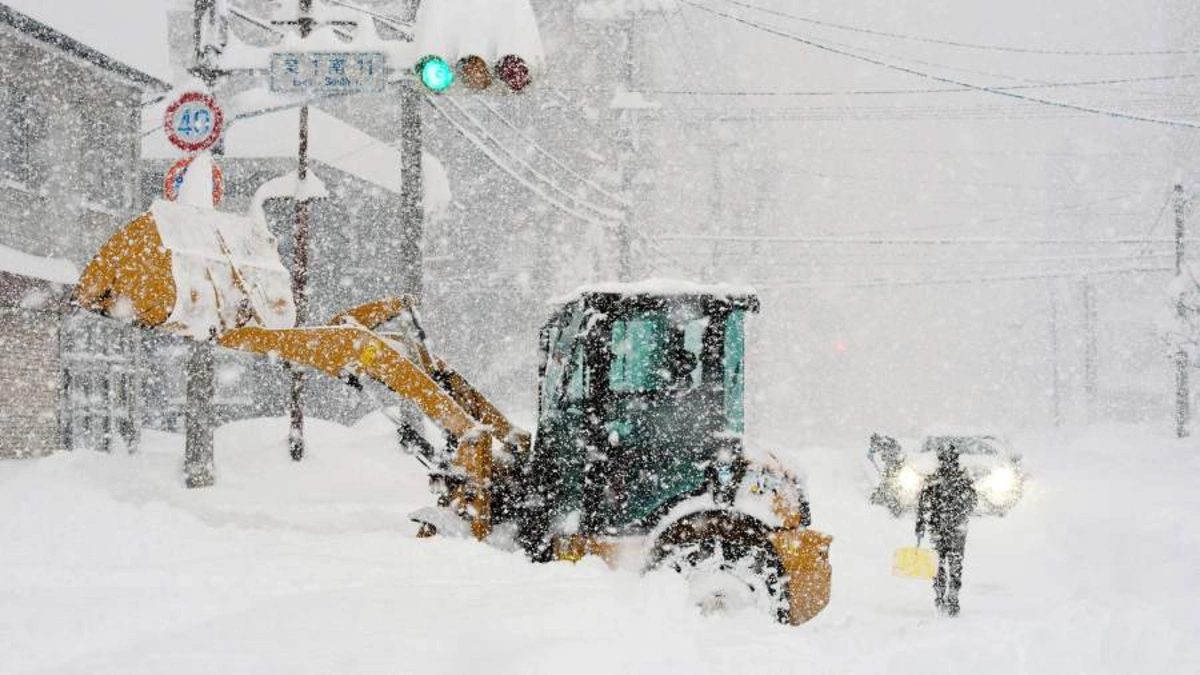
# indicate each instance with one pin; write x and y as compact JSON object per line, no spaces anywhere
{"x":110,"y":566}
{"x":56,"y":270}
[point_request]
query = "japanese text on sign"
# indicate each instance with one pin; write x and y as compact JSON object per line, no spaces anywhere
{"x":327,"y":71}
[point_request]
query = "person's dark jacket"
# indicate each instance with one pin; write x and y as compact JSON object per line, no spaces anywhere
{"x":946,"y":503}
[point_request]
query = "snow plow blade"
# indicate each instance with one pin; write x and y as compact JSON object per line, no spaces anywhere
{"x":805,"y":558}
{"x":912,"y":562}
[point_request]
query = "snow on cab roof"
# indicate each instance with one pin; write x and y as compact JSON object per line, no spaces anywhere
{"x":657,"y":287}
{"x":55,"y":270}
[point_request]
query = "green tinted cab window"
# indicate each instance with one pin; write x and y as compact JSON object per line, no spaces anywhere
{"x":637,"y":354}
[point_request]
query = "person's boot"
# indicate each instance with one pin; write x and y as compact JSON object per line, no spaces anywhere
{"x":950,"y":604}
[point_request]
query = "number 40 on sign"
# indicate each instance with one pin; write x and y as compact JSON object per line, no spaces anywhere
{"x":193,"y":122}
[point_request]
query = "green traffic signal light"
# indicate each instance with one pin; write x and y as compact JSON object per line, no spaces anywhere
{"x":436,"y":74}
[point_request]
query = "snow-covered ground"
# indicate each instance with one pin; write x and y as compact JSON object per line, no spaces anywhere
{"x":109,"y":566}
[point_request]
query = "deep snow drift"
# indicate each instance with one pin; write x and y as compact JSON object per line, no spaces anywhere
{"x":110,"y":566}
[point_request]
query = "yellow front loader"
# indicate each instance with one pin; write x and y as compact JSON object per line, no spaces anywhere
{"x":638,"y":456}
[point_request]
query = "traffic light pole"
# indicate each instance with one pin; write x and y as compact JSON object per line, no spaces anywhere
{"x":412,"y":187}
{"x":199,"y":420}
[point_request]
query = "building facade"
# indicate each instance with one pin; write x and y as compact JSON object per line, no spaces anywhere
{"x":69,"y":147}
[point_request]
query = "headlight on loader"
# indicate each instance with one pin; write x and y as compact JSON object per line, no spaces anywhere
{"x":909,"y":479}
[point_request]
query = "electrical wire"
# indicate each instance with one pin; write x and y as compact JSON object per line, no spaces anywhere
{"x":883,"y":241}
{"x":542,"y":151}
{"x":938,"y":78}
{"x":903,"y":92}
{"x":598,"y":210}
{"x":963,"y":45}
{"x":391,"y":21}
{"x":959,"y":281}
{"x":482,"y":146}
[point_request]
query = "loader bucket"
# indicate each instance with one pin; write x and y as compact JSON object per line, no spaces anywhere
{"x":192,"y":272}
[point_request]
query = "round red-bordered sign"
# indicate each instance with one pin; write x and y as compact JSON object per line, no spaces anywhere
{"x":174,"y":180}
{"x":194,"y":122}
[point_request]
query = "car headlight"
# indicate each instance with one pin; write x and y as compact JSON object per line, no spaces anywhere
{"x":1000,"y":483}
{"x":909,"y":479}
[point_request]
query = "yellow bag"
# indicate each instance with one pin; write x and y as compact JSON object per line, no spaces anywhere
{"x":914,"y":563}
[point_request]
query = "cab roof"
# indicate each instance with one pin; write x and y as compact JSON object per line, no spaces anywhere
{"x":737,"y":295}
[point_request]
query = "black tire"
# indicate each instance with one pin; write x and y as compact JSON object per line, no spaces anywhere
{"x":728,"y":563}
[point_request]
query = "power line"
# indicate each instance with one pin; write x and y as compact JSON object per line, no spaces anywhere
{"x":963,"y":45}
{"x":900,"y":92}
{"x":841,"y":241}
{"x":491,"y":155}
{"x":542,"y":151}
{"x":391,"y":21}
{"x":961,"y":281}
{"x":938,"y":78}
{"x":598,"y":210}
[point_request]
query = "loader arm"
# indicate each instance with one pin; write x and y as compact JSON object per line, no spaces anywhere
{"x":207,"y":275}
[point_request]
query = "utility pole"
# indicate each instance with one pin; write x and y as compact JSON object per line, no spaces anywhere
{"x":628,"y":152}
{"x":1183,"y":411}
{"x":300,"y":263}
{"x":198,"y":463}
{"x":1091,"y":374}
{"x":1055,"y":355}
{"x":412,"y":187}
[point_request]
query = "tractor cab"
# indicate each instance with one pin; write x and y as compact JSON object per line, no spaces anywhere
{"x":640,"y":392}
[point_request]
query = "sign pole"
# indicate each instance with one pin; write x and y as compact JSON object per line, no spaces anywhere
{"x":300,"y":264}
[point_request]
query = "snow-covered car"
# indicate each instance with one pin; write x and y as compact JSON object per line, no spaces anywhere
{"x":989,"y":459}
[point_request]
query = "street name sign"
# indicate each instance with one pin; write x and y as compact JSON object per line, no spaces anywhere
{"x":327,"y":72}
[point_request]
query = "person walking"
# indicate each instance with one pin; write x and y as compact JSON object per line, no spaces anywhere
{"x":943,"y":510}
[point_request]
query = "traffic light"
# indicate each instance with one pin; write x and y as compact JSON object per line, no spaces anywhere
{"x":473,"y":72}
{"x":435,"y":73}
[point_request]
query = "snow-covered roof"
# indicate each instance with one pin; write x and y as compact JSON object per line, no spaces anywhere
{"x":489,"y":29}
{"x":56,"y":270}
{"x":132,"y":32}
{"x":331,"y":142}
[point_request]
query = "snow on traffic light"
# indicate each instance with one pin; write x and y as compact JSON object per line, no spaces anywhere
{"x":473,"y":44}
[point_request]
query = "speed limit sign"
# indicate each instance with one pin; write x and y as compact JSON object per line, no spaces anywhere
{"x":193,"y":122}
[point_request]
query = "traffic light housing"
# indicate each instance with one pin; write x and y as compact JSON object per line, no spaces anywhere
{"x":474,"y":73}
{"x":435,"y":73}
